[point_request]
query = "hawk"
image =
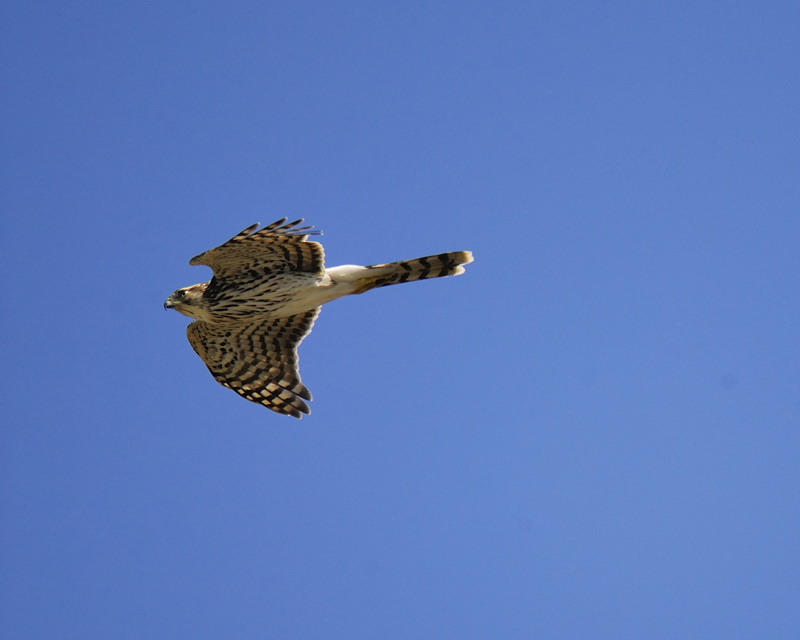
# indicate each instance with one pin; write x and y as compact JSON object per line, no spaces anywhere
{"x":266,"y":291}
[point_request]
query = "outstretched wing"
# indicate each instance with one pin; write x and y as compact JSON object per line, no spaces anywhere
{"x":257,"y":360}
{"x":277,"y":248}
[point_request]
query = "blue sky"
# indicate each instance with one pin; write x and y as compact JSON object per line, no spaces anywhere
{"x":594,"y":433}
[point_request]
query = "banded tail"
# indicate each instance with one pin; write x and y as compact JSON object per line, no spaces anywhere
{"x":438,"y":266}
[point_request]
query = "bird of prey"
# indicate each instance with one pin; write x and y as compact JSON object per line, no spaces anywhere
{"x":266,"y":291}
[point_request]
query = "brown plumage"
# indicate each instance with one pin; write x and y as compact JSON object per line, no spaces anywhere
{"x":267,"y":288}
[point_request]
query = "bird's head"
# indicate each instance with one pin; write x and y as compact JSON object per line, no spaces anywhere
{"x":188,"y":301}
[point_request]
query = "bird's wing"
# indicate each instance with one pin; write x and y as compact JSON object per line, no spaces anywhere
{"x":257,"y":360}
{"x":277,"y":248}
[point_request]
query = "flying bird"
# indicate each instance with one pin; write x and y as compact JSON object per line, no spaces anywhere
{"x":267,"y":288}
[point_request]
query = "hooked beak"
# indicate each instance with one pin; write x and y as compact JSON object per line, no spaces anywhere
{"x":168,"y":304}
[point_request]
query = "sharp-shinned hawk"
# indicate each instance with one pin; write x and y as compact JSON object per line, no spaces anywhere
{"x":266,"y":291}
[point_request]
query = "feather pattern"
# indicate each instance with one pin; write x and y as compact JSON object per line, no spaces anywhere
{"x":257,"y":360}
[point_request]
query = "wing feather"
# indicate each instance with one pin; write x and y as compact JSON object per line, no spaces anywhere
{"x":277,"y":248}
{"x":257,"y":360}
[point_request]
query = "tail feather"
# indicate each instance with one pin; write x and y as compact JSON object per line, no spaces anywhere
{"x":438,"y":266}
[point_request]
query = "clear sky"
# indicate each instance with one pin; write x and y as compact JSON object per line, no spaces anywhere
{"x":593,"y":433}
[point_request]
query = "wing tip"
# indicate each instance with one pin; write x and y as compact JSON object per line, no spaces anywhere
{"x":297,"y":409}
{"x":284,"y":228}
